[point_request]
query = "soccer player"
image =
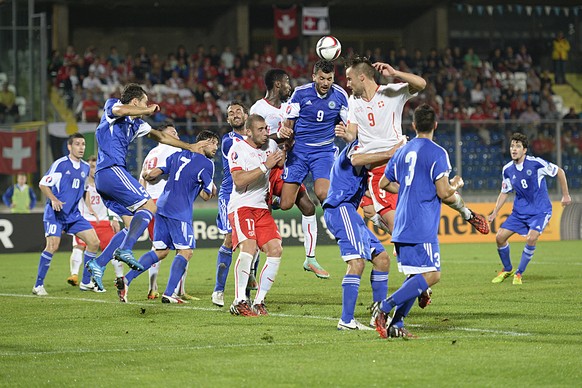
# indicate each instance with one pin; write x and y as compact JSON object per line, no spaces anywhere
{"x":356,"y":242}
{"x":189,"y":175}
{"x":420,"y":172}
{"x":157,"y":158}
{"x":532,"y":208}
{"x":120,"y":124}
{"x":272,"y":109}
{"x":63,"y":185}
{"x":236,"y":115}
{"x":106,"y":225}
{"x":312,"y":113}
{"x":248,"y":212}
{"x":375,"y":115}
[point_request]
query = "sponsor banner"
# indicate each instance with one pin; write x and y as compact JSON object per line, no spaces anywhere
{"x":25,"y":232}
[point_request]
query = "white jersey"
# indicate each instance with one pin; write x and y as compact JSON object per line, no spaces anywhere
{"x":96,"y":204}
{"x":157,"y":158}
{"x":243,"y":156}
{"x":379,"y":120}
{"x":274,"y":117}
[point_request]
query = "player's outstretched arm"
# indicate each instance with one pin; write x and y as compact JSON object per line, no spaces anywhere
{"x":164,"y":138}
{"x":56,"y":203}
{"x":151,"y":174}
{"x":446,"y":188}
{"x":391,"y":187}
{"x":500,"y":201}
{"x":377,"y":158}
{"x":415,"y":82}
{"x":122,"y":110}
{"x":563,"y":182}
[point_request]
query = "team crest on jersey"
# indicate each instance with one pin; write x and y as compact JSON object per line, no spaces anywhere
{"x":331,"y":105}
{"x":528,"y":172}
{"x":83,"y":174}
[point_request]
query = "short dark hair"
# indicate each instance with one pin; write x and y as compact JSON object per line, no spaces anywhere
{"x":206,"y":134}
{"x":323,"y":65}
{"x":361,"y":65}
{"x":75,"y":136}
{"x":424,"y":118}
{"x":520,"y":137}
{"x":131,"y":91}
{"x":92,"y":158}
{"x":239,"y":103}
{"x":272,"y":76}
{"x":166,"y":124}
{"x":251,"y":120}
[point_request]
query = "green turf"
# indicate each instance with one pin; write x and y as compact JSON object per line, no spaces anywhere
{"x":474,"y":334}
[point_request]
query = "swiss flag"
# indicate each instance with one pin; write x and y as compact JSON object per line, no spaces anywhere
{"x":316,"y":21}
{"x":18,"y":152}
{"x":286,"y":23}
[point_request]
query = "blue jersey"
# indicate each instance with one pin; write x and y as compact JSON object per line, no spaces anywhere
{"x":528,"y":183}
{"x":416,"y":167}
{"x":226,"y":185}
{"x":189,"y":173}
{"x":66,"y":178}
{"x":347,"y":182}
{"x":316,"y":116}
{"x":114,"y":134}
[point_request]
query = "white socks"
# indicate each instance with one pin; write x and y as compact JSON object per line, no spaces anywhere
{"x":309,"y":226}
{"x":76,"y":260}
{"x":459,"y":205}
{"x":242,"y":269}
{"x":268,"y":275}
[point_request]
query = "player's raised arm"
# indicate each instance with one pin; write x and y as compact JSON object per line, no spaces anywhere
{"x":164,"y":138}
{"x":415,"y":82}
{"x":134,"y":110}
{"x":377,"y":158}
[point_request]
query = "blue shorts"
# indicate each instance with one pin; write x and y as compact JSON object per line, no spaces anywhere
{"x":222,"y":218}
{"x":353,"y":237}
{"x":55,"y":227}
{"x":173,"y":234}
{"x":418,"y":258}
{"x":121,"y":192}
{"x":300,"y":163}
{"x":522,"y":225}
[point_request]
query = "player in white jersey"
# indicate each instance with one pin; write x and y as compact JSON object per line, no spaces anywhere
{"x":375,"y":115}
{"x":532,"y":208}
{"x":106,"y":224}
{"x":157,"y":158}
{"x":272,"y":109}
{"x":253,"y":226}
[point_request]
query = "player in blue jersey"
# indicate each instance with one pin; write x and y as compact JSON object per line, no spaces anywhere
{"x":356,"y":242}
{"x":419,"y":172}
{"x":313,"y":112}
{"x":236,"y":115}
{"x":532,"y":208}
{"x":64,"y":186}
{"x":190,"y":175}
{"x":120,"y":124}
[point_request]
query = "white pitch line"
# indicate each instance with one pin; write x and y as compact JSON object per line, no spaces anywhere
{"x":455,"y":328}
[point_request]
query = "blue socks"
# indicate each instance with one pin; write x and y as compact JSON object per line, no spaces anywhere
{"x":138,"y":224}
{"x":43,"y":267}
{"x":86,"y":275}
{"x":351,"y":287}
{"x":107,"y":254}
{"x":147,"y":260}
{"x":176,"y":271}
{"x":505,"y":258}
{"x":526,"y":256}
{"x":379,"y":282}
{"x":411,"y":289}
{"x":223,"y":262}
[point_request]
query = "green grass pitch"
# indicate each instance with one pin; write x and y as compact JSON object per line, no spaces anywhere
{"x":475,"y":333}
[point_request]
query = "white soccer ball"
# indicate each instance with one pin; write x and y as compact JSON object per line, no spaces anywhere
{"x":328,"y":48}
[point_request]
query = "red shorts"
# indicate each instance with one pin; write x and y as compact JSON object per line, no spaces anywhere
{"x":249,"y":223}
{"x":383,"y":200}
{"x":276,"y":182}
{"x":366,"y":201}
{"x":104,"y":232}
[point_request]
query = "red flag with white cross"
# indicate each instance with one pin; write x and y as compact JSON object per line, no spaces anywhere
{"x":286,"y":24}
{"x":17,"y":152}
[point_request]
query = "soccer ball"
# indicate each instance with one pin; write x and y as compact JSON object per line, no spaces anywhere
{"x":328,"y":48}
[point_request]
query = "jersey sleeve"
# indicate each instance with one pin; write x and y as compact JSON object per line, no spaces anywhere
{"x":206,"y":176}
{"x":167,"y":163}
{"x":143,"y":129}
{"x":293,"y":107}
{"x":390,"y":171}
{"x":442,"y":165}
{"x":506,"y":186}
{"x":226,"y":145}
{"x":108,"y":109}
{"x":547,"y":168}
{"x":53,"y":176}
{"x":236,"y":160}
